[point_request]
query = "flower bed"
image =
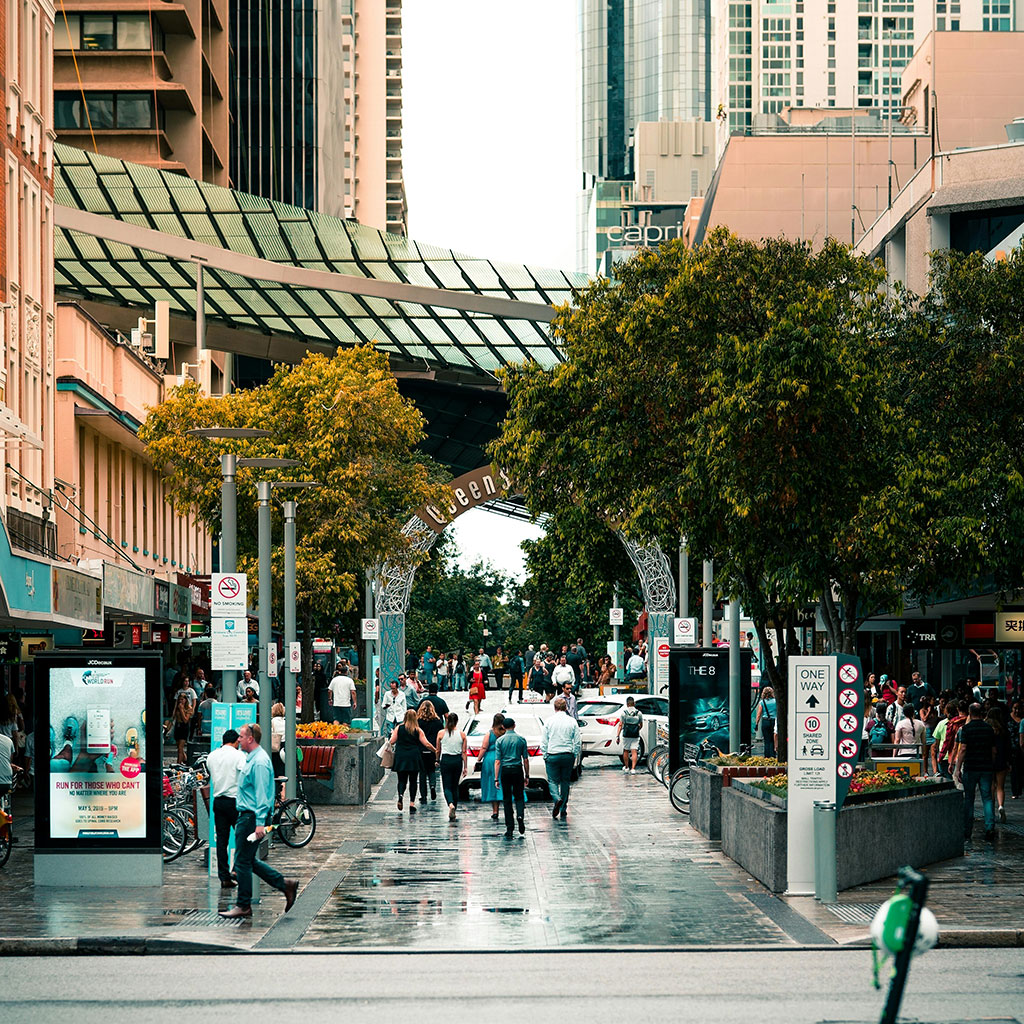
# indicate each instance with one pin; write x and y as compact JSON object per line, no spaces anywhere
{"x":708,"y":780}
{"x":321,"y":731}
{"x":865,"y":786}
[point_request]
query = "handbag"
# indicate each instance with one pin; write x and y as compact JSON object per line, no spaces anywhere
{"x":386,"y":753}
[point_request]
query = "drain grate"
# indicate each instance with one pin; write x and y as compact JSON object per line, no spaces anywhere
{"x":854,"y":913}
{"x":203,"y":919}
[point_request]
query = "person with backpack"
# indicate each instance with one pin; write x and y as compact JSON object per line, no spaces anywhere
{"x":766,"y":720}
{"x":880,"y":733}
{"x":630,"y":723}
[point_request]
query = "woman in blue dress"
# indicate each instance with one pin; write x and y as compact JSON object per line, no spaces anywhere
{"x":490,"y":791}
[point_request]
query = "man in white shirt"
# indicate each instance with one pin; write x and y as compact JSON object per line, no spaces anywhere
{"x":223,"y":765}
{"x":243,"y":684}
{"x":563,"y":674}
{"x":392,"y":708}
{"x":6,"y":757}
{"x":635,"y":667}
{"x":560,"y":743}
{"x":343,"y":696}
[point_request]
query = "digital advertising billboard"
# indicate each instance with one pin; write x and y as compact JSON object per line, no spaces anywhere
{"x":99,"y":716}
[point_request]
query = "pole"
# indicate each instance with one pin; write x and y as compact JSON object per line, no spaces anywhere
{"x":890,"y":118}
{"x":803,"y":234}
{"x":228,"y":549}
{"x":853,"y":171}
{"x":735,"y":653}
{"x":265,"y":598}
{"x":827,"y":200}
{"x":684,"y":579}
{"x":825,"y":885}
{"x":290,"y":680}
{"x":200,"y":325}
{"x":709,"y":601}
{"x":615,"y":604}
{"x":368,"y":653}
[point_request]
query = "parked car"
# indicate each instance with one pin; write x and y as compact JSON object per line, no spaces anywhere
{"x":599,"y":719}
{"x":529,"y":719}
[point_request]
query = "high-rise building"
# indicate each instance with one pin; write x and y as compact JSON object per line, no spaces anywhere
{"x":773,"y":54}
{"x":316,"y":104}
{"x":146,"y":83}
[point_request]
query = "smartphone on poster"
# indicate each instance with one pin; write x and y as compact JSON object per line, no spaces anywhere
{"x":98,"y":731}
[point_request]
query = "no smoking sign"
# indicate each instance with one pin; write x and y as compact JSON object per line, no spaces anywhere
{"x":227,"y":594}
{"x":228,"y":588}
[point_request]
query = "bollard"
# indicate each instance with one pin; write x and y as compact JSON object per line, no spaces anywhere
{"x":825,"y":886}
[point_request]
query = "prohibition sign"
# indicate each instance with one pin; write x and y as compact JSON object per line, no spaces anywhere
{"x":811,"y":724}
{"x":848,"y":698}
{"x":847,"y":748}
{"x":229,"y":588}
{"x":848,"y":723}
{"x":845,"y":770}
{"x":848,"y":674}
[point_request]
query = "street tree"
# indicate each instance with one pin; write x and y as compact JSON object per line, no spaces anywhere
{"x":732,"y":393}
{"x":343,"y":418}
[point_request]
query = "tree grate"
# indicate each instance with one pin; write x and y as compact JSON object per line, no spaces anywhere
{"x":853,"y":913}
{"x":203,"y":919}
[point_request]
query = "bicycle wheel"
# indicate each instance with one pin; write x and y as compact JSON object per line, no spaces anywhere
{"x":175,"y":835}
{"x":296,"y":823}
{"x":192,"y":837}
{"x":661,"y":767}
{"x":654,"y":755}
{"x":679,"y":791}
{"x":5,"y":844}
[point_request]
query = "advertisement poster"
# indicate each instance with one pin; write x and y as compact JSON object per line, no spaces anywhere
{"x":98,"y":743}
{"x":699,"y":701}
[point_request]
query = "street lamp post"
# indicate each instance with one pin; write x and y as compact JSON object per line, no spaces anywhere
{"x":228,"y":512}
{"x":290,"y":679}
{"x":265,"y":585}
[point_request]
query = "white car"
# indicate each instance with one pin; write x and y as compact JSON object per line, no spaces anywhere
{"x":528,"y":719}
{"x":599,"y":719}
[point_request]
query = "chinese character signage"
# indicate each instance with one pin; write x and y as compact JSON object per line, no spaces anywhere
{"x":1010,"y":627}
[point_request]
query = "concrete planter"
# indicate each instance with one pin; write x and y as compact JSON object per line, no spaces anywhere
{"x":355,"y":770}
{"x":706,"y":785}
{"x":874,"y":839}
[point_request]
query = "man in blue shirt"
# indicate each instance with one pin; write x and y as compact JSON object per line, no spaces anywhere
{"x":512,"y":772}
{"x":255,"y":803}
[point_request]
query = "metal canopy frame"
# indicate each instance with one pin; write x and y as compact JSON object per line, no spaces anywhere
{"x":129,"y":235}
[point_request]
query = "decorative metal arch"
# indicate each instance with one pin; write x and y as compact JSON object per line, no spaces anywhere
{"x":656,"y":580}
{"x":393,"y":579}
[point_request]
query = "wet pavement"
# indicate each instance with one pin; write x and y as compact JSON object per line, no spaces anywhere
{"x":624,"y":870}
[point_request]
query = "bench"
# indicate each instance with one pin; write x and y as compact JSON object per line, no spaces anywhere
{"x":317,"y":762}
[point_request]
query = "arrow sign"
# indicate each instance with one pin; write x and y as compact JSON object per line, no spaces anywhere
{"x":812,"y":701}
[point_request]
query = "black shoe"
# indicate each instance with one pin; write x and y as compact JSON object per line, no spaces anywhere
{"x":522,"y":826}
{"x":228,"y":883}
{"x":433,"y":794}
{"x":554,"y":808}
{"x":562,"y":814}
{"x":508,"y":835}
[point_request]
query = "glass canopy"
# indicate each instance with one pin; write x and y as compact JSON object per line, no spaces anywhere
{"x":427,"y":306}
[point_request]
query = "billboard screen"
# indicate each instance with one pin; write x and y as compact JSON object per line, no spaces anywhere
{"x":99,"y":716}
{"x":699,"y":701}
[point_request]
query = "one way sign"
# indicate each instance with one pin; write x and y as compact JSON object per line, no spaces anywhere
{"x":814,"y":683}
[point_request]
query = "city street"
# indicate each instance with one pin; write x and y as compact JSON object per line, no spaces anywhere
{"x":774,"y":987}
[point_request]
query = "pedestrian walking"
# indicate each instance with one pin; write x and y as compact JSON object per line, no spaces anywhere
{"x":485,"y":663}
{"x":477,"y":690}
{"x":1001,"y":762}
{"x":224,"y":764}
{"x":571,"y":703}
{"x":460,"y":672}
{"x":605,"y":673}
{"x":538,"y":680}
{"x":440,"y":704}
{"x":255,"y":803}
{"x":344,"y":696}
{"x":429,"y":663}
{"x":393,"y":708}
{"x":1017,"y":750}
{"x":512,"y":773}
{"x":452,"y":753}
{"x":630,"y":723}
{"x":490,"y":791}
{"x":765,"y":723}
{"x":516,"y":671}
{"x":975,"y":760}
{"x":409,"y":740}
{"x":184,"y":706}
{"x":431,"y":724}
{"x":498,"y":663}
{"x":560,"y":744}
{"x":909,"y":733}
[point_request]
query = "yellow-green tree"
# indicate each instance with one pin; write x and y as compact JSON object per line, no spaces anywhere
{"x":343,"y":418}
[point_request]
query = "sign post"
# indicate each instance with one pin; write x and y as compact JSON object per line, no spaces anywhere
{"x":826,"y":720}
{"x":229,"y":632}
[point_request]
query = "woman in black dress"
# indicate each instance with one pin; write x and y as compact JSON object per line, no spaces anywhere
{"x":408,"y":740}
{"x":431,"y":725}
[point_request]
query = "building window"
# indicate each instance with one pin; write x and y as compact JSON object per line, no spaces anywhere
{"x":106,"y":110}
{"x":106,"y":32}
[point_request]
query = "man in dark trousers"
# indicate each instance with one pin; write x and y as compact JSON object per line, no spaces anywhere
{"x":255,"y":801}
{"x":224,"y":764}
{"x":512,"y":773}
{"x":440,"y":704}
{"x":975,"y":765}
{"x":516,"y":671}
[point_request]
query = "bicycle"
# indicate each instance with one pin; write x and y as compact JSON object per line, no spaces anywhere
{"x":181,"y":783}
{"x":7,"y":819}
{"x":657,"y":762}
{"x":293,"y":821}
{"x":679,"y":786}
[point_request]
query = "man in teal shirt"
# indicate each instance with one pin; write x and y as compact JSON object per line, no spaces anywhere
{"x":255,"y":803}
{"x":512,"y":772}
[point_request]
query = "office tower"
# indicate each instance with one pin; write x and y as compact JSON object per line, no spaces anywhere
{"x":316,"y":103}
{"x":147,"y":84}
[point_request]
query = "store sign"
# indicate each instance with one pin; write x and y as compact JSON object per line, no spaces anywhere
{"x":181,"y":603}
{"x":199,"y":588}
{"x":229,"y":644}
{"x":1010,"y":627}
{"x":469,"y":490}
{"x":162,"y":601}
{"x":10,"y":648}
{"x":78,"y":597}
{"x":100,"y":787}
{"x":125,"y":591}
{"x":161,"y":635}
{"x":920,"y":633}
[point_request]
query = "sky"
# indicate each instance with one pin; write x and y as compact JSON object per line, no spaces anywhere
{"x":489,"y":158}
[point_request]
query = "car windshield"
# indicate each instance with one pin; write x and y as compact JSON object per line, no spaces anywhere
{"x":596,"y":707}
